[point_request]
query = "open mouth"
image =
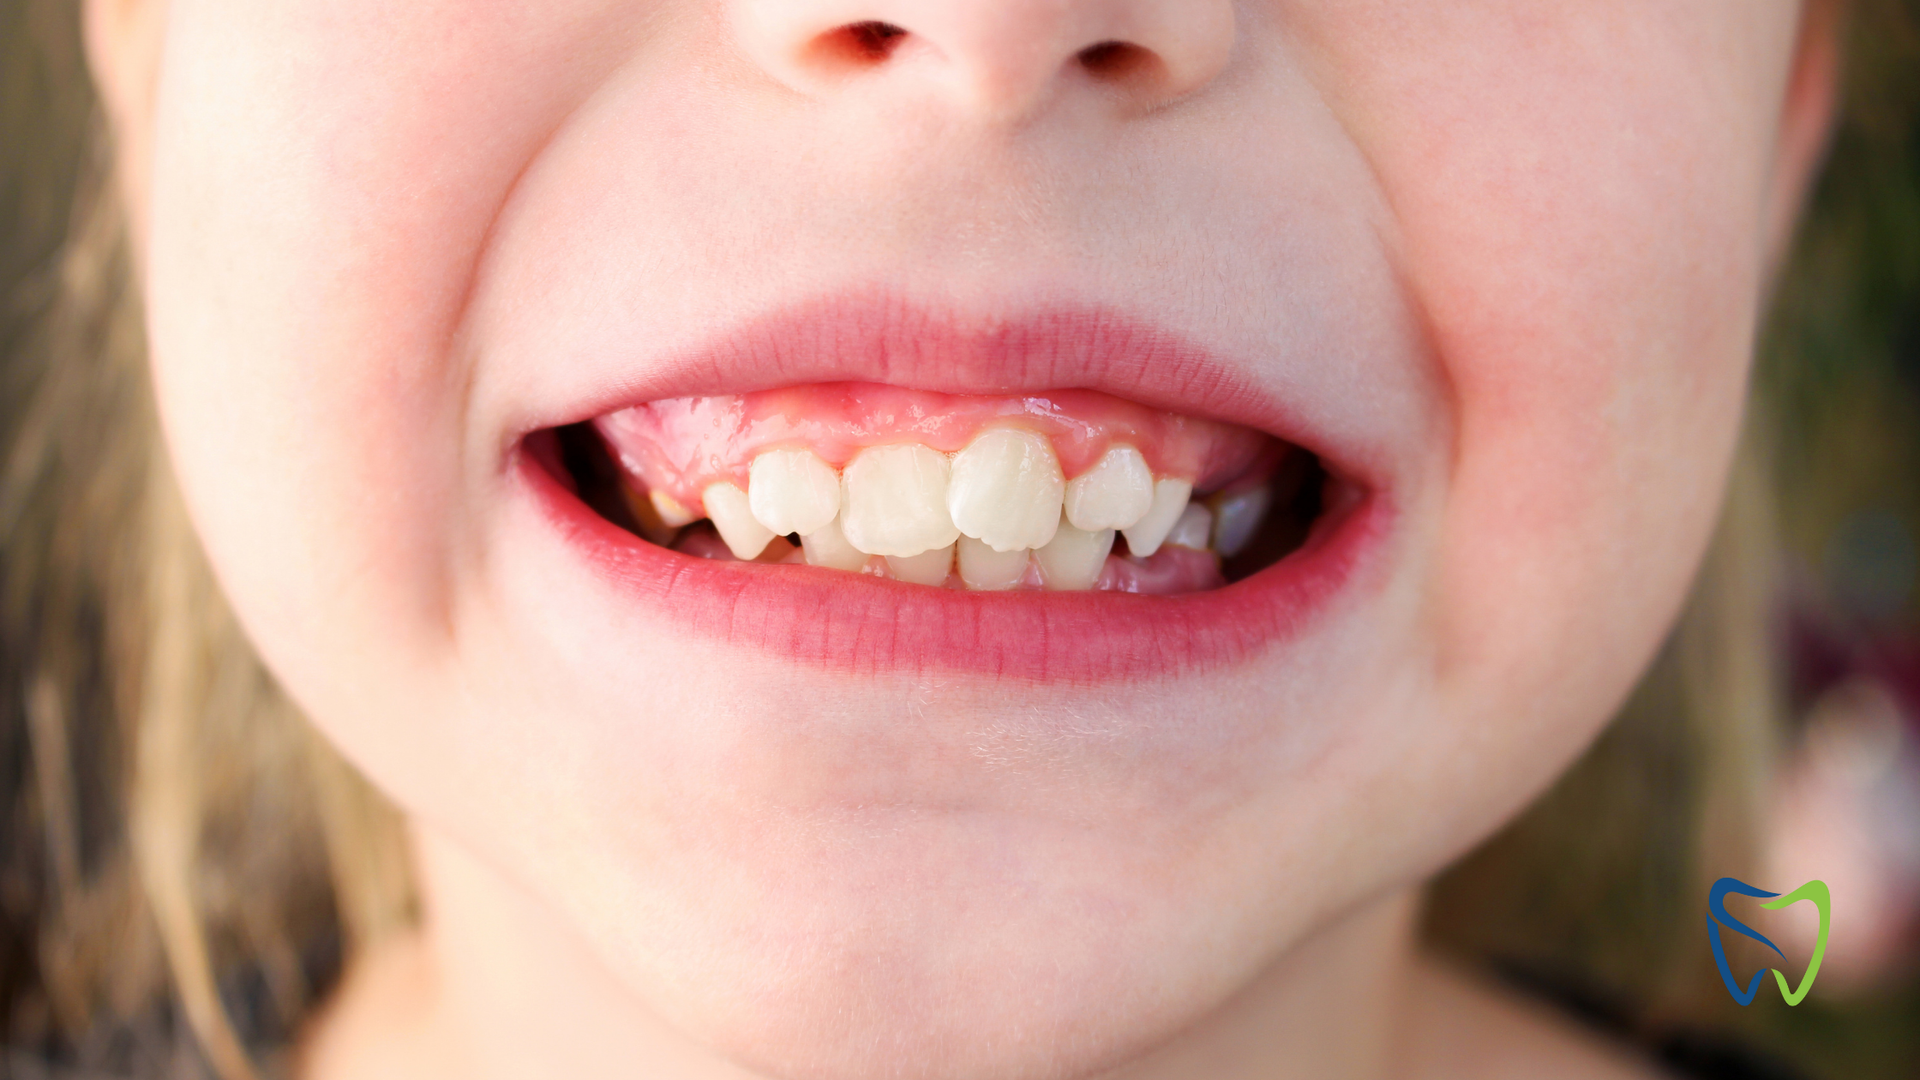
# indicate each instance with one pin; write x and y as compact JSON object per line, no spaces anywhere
{"x":867,"y":487}
{"x":1067,"y":491}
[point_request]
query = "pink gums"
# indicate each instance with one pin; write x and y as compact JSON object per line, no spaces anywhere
{"x":680,"y":445}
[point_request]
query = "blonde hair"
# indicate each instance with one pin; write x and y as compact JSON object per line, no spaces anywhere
{"x":189,"y":827}
{"x":180,"y":835}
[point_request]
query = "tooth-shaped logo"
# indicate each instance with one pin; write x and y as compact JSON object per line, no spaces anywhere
{"x":1717,"y":917}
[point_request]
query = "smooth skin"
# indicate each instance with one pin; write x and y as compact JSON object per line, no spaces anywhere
{"x":1517,"y":248}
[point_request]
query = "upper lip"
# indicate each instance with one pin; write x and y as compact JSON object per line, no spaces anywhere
{"x":876,"y":338}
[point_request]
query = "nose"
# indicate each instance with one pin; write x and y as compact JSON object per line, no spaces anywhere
{"x":991,"y":60}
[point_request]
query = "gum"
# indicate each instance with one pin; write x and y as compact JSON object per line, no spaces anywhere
{"x":680,"y":445}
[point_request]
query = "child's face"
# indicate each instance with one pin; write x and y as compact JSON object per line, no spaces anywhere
{"x":1496,"y":262}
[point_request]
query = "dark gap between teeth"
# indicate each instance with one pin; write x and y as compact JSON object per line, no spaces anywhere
{"x":1297,"y":488}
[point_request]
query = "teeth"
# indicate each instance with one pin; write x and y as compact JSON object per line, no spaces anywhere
{"x":647,"y":518}
{"x":1006,"y":489}
{"x":827,"y":546}
{"x":727,"y":509}
{"x":792,"y":491}
{"x":926,"y":568}
{"x":985,"y":569}
{"x":1192,"y":530}
{"x":1169,"y":500}
{"x":1236,"y":518}
{"x":1114,"y":494}
{"x":997,"y":513}
{"x":1075,"y":557}
{"x":673,"y":513}
{"x":893,"y":500}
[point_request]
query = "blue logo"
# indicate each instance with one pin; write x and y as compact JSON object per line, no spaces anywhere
{"x":1717,"y":917}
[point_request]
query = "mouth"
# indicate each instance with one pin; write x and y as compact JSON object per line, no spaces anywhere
{"x":1051,"y":500}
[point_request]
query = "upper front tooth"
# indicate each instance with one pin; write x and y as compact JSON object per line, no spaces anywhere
{"x":1006,"y":488}
{"x":1169,"y":500}
{"x":727,"y":509}
{"x":792,"y":491}
{"x":1235,"y":518}
{"x":893,"y":500}
{"x":1192,"y":530}
{"x":1116,"y":493}
{"x":1075,"y":558}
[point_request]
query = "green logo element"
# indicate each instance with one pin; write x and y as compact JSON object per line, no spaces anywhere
{"x":1717,"y":917}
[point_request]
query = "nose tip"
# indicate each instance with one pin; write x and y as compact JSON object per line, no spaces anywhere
{"x":991,"y":59}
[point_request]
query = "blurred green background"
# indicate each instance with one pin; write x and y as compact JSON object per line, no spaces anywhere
{"x":1597,"y":895}
{"x":1840,"y":372}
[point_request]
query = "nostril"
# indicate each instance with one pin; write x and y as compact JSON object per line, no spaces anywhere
{"x":860,"y":43}
{"x":876,"y":39}
{"x":1114,"y":60}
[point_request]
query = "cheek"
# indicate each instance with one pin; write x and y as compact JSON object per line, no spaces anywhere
{"x":1579,"y":200}
{"x":323,"y":179}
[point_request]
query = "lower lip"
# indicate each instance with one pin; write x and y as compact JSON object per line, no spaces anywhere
{"x":852,"y":623}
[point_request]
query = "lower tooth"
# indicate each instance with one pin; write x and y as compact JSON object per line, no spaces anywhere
{"x":1194,"y":528}
{"x":986,"y":570}
{"x":1073,"y":560}
{"x":827,"y":546}
{"x":728,"y":510}
{"x":926,"y":568}
{"x":1236,"y":518}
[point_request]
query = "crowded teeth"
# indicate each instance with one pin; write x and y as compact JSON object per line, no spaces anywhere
{"x":986,"y":570}
{"x":926,"y":568}
{"x":893,"y":500}
{"x":827,"y":546}
{"x":1169,"y":501}
{"x":1115,"y":494}
{"x":1193,"y":530}
{"x":1005,"y":490}
{"x":1236,"y":518}
{"x":792,"y":491}
{"x":733,"y":519}
{"x":1075,"y":557}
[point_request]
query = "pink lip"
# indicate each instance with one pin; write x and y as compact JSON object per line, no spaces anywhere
{"x":852,"y":623}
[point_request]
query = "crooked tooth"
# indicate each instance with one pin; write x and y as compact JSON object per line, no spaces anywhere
{"x":673,"y":513}
{"x":827,"y":546}
{"x":1169,"y":502}
{"x":792,"y":491}
{"x":1236,"y":518}
{"x":986,"y":570}
{"x":893,"y":500}
{"x":647,"y":519}
{"x":1075,"y":557}
{"x":734,"y":521}
{"x":926,"y":568}
{"x":1115,"y":494}
{"x":1005,"y":489}
{"x":1193,"y":530}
